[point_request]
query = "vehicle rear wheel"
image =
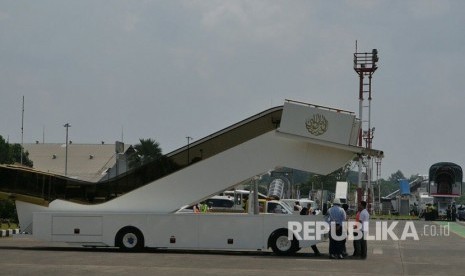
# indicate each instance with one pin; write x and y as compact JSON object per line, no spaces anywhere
{"x":130,"y":239}
{"x":281,"y":245}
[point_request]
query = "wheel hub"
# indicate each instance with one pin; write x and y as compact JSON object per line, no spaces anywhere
{"x":283,"y":243}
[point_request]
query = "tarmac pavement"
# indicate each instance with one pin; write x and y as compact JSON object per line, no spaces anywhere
{"x":439,"y":251}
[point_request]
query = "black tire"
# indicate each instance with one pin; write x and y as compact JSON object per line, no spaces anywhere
{"x":129,"y":239}
{"x":281,"y":245}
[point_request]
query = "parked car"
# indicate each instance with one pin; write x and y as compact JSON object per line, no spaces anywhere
{"x":303,"y":202}
{"x":215,"y":203}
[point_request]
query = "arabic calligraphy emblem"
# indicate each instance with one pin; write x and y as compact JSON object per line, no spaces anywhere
{"x":317,"y":125}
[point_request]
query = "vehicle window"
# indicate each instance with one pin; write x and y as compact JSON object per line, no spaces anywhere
{"x":220,"y":203}
{"x":271,"y":207}
{"x":276,"y":208}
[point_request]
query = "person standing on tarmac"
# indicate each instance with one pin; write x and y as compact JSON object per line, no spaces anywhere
{"x":336,"y":216}
{"x":364,"y":219}
{"x":454,"y":213}
{"x":345,"y":206}
{"x":356,"y":241}
{"x":305,"y":212}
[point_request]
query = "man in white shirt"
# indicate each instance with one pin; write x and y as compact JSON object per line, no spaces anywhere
{"x":364,"y":219}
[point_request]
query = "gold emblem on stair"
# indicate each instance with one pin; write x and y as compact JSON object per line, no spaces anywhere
{"x":317,"y":125}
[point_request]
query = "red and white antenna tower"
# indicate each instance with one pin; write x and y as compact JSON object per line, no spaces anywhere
{"x":365,"y":66}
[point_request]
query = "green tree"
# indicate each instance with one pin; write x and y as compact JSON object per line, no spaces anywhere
{"x":8,"y":210}
{"x":146,"y":150}
{"x":461,"y":199}
{"x":11,"y":153}
{"x":396,"y":176}
{"x":387,"y":186}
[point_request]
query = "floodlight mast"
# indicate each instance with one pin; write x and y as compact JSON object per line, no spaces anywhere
{"x":67,"y":126}
{"x":365,"y":66}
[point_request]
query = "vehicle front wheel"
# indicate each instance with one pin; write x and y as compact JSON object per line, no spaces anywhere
{"x":281,"y":245}
{"x":130,"y":239}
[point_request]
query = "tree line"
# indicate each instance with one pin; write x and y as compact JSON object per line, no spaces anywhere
{"x":11,"y":154}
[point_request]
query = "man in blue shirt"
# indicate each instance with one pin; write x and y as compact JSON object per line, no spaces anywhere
{"x":336,"y":216}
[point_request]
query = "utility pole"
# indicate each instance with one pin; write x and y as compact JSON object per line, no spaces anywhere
{"x":188,"y":144}
{"x":378,"y":176}
{"x":67,"y":125}
{"x":22,"y":133}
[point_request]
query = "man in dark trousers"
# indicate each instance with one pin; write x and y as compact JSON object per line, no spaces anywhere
{"x":345,"y":206}
{"x":336,"y":216}
{"x":304,"y":212}
{"x":364,"y":219}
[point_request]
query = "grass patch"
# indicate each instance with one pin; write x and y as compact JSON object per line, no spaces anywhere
{"x":389,"y":217}
{"x":393,"y":217}
{"x":4,"y":226}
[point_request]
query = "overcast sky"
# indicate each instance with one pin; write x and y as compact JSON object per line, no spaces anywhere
{"x":170,"y":69}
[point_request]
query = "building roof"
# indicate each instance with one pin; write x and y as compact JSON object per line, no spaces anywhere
{"x":88,"y":162}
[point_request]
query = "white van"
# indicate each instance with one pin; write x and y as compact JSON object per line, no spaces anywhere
{"x":303,"y":202}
